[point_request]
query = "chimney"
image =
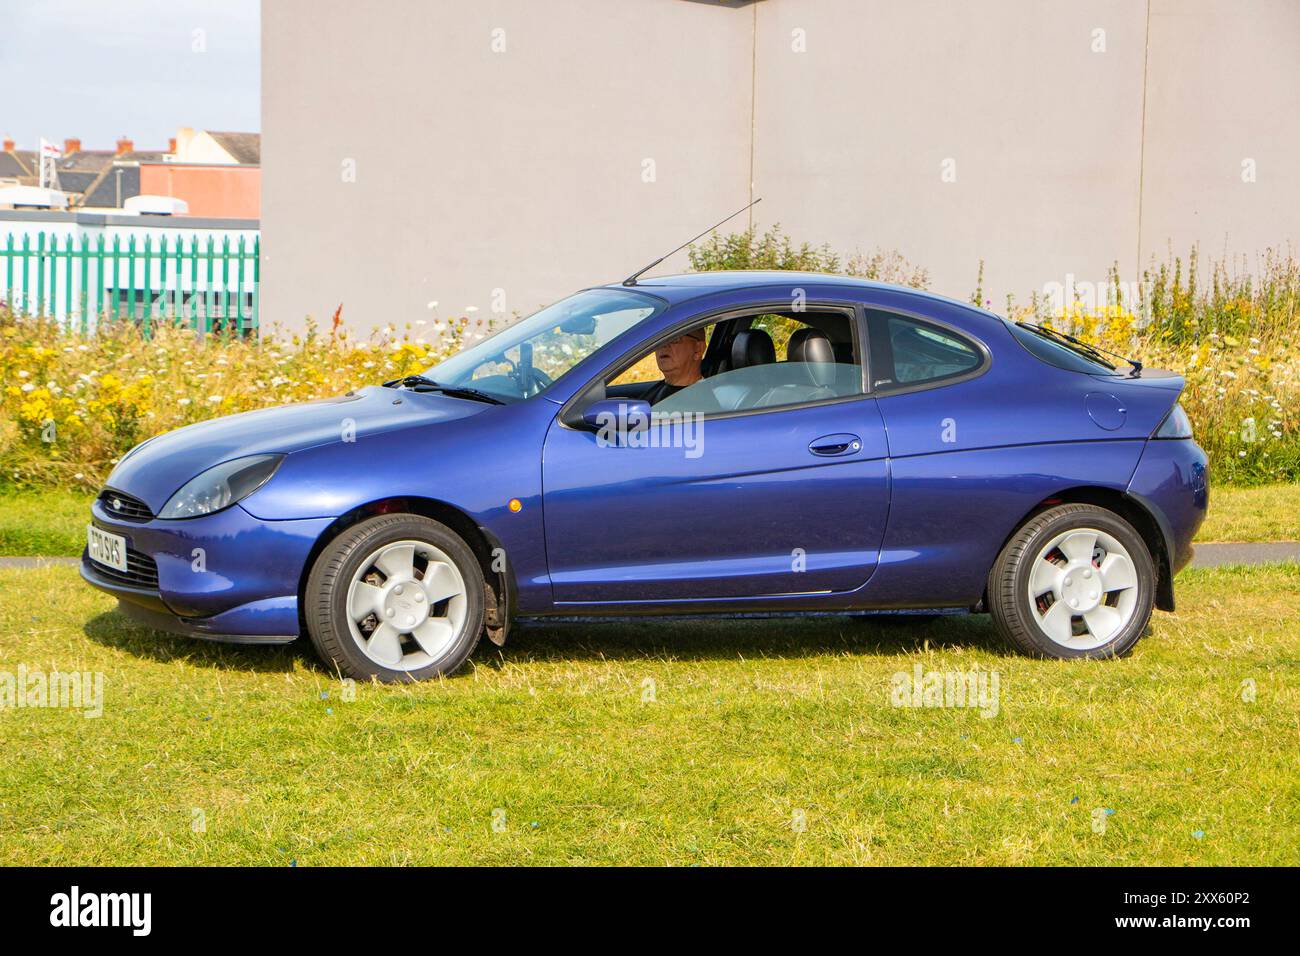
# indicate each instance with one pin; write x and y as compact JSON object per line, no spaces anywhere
{"x":124,"y":146}
{"x":171,"y":145}
{"x":71,"y":146}
{"x":9,"y":145}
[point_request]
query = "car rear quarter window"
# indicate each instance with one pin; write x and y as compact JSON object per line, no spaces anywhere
{"x":908,"y":352}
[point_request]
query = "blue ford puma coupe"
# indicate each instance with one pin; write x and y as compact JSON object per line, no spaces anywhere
{"x":699,"y":444}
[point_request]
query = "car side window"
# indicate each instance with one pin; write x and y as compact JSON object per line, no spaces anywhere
{"x":774,"y":361}
{"x":646,"y":369}
{"x":908,"y":352}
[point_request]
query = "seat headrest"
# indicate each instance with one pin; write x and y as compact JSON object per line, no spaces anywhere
{"x":810,"y":345}
{"x":752,"y":347}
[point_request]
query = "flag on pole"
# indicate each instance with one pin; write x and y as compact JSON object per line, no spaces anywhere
{"x":50,"y":152}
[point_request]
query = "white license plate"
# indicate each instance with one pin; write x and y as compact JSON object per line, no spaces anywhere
{"x":109,"y":549}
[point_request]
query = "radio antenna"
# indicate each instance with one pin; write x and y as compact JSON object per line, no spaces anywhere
{"x":631,"y":280}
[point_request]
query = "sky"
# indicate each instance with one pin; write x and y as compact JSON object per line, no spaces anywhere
{"x":100,"y":69}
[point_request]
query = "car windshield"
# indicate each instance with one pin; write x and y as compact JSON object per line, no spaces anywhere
{"x":525,"y":359}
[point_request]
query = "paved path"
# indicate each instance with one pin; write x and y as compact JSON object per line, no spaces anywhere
{"x":37,"y":562}
{"x":1264,"y":552}
{"x":1207,"y":555}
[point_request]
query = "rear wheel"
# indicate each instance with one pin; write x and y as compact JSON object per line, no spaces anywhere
{"x":1074,"y":581}
{"x":396,"y":597}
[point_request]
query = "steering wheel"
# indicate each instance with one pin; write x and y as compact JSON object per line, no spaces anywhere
{"x":540,"y":380}
{"x":530,"y":379}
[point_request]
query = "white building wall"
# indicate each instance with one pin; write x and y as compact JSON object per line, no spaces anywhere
{"x":503,"y":153}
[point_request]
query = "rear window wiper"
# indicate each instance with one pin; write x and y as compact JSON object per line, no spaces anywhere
{"x":422,"y":383}
{"x":1094,"y":351}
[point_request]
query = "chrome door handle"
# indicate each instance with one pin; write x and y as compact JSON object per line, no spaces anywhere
{"x":832,"y":446}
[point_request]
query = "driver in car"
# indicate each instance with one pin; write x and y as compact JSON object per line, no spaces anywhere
{"x":679,"y":361}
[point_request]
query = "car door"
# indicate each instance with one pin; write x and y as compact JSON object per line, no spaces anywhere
{"x":765,"y":503}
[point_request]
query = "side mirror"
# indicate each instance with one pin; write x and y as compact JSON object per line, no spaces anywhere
{"x":617,"y":416}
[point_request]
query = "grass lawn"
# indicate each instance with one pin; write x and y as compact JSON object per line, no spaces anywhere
{"x":1267,"y":513}
{"x":764,"y":742}
{"x":45,"y":522}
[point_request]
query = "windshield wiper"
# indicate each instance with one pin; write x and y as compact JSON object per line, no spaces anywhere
{"x":422,"y":383}
{"x":1094,"y":351}
{"x":460,"y":391}
{"x":409,"y":381}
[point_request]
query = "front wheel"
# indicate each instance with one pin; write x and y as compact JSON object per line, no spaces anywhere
{"x":1074,"y":581}
{"x":396,"y":597}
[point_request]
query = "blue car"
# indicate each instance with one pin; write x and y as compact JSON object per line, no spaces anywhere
{"x":711,"y":444}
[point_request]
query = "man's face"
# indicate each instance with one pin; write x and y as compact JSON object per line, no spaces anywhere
{"x":679,"y":360}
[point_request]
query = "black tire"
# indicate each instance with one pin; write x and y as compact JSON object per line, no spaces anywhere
{"x":326,"y":597}
{"x":1008,"y":582}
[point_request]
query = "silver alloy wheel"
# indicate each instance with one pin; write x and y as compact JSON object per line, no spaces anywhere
{"x":406,"y":605}
{"x":1083,"y":589}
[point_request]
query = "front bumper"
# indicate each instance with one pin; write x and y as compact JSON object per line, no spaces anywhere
{"x":227,"y":576}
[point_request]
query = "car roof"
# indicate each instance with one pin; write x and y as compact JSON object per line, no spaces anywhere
{"x":690,"y":285}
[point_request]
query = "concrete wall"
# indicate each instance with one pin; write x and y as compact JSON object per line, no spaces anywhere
{"x":1223,"y":90}
{"x":955,"y":132}
{"x":407,"y":162}
{"x":503,"y":153}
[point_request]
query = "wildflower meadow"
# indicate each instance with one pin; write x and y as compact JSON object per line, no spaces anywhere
{"x":74,"y":403}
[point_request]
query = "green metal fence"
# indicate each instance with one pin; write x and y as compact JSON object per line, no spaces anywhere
{"x":208,"y":285}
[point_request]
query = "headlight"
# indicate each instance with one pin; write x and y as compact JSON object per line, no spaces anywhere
{"x":221,"y":487}
{"x":1175,"y":425}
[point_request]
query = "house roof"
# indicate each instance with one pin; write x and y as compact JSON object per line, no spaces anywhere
{"x":76,"y":180}
{"x":90,"y":176}
{"x":86,"y":160}
{"x":103,"y":192}
{"x":93,"y":174}
{"x":14,"y":165}
{"x":245,"y":148}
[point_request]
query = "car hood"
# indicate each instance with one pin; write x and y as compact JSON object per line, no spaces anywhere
{"x":156,"y":469}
